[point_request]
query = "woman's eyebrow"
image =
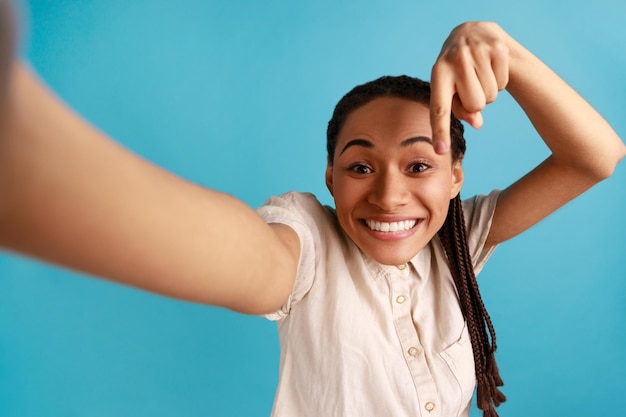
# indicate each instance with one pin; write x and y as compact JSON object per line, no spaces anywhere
{"x":367,"y":144}
{"x":357,"y":142}
{"x":410,"y":141}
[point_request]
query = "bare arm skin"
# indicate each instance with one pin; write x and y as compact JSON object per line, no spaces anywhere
{"x":71,"y":196}
{"x":480,"y":59}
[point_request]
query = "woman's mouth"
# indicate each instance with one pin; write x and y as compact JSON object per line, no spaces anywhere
{"x":390,"y":227}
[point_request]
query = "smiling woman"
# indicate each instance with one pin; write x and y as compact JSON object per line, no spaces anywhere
{"x":392,"y":194}
{"x":376,"y":298}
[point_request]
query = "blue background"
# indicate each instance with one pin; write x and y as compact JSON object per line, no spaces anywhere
{"x":235,"y":95}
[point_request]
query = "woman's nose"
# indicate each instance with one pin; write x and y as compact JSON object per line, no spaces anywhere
{"x":389,"y":191}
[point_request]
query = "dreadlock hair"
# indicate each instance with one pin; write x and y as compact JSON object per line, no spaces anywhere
{"x":452,"y":235}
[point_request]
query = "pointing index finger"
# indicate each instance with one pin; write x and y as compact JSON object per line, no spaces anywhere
{"x":441,"y":95}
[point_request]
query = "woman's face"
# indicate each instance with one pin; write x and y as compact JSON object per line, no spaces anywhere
{"x":391,"y":189}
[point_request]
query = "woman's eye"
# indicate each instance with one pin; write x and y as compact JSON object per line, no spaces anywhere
{"x":361,"y":169}
{"x":419,"y":167}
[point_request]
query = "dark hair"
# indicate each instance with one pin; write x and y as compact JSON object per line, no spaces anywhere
{"x":452,"y":235}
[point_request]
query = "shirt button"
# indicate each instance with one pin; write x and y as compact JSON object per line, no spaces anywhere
{"x":402,"y":267}
{"x":400,"y":299}
{"x":429,"y":406}
{"x":413,"y":351}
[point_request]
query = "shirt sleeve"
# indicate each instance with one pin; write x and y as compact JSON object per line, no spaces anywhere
{"x":298,"y":211}
{"x":478,"y":212}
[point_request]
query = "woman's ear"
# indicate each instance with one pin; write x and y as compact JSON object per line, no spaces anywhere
{"x":329,"y":178}
{"x":458,"y":176}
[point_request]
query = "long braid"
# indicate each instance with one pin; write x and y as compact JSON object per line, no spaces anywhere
{"x":482,"y":334}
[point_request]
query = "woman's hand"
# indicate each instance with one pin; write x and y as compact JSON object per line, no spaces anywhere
{"x":476,"y":62}
{"x":471,"y":69}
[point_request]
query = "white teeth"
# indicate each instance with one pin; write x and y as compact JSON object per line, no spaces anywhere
{"x":390,"y":226}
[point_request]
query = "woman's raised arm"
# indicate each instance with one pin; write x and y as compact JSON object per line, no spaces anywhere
{"x":479,"y":59}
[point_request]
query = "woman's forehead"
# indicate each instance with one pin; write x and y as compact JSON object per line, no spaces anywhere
{"x":387,"y":119}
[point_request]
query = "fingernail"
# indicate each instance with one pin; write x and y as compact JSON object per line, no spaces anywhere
{"x":441,"y":147}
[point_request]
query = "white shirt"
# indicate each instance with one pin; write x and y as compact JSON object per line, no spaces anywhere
{"x":363,"y":339}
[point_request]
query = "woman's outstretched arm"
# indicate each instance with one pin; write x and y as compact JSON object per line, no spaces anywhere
{"x":71,"y":196}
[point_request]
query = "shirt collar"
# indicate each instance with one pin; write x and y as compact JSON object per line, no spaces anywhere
{"x":420,"y":263}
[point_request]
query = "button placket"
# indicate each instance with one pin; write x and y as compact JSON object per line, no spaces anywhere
{"x":426,"y":390}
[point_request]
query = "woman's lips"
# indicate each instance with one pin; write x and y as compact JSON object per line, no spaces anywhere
{"x":397,"y":226}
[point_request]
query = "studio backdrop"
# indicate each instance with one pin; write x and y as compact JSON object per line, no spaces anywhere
{"x":236,"y":95}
